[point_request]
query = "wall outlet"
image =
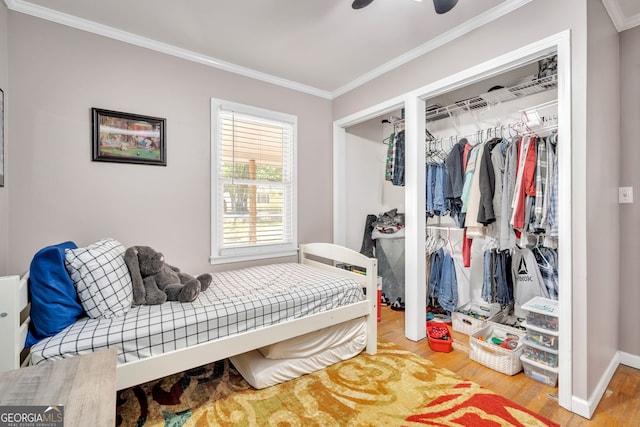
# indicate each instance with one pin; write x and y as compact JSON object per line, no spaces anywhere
{"x":625,"y":194}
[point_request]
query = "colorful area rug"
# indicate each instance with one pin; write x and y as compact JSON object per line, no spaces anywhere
{"x":393,"y":388}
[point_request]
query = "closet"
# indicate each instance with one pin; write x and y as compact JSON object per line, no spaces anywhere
{"x":449,"y":94}
{"x":514,"y":110}
{"x":491,"y":208}
{"x":500,"y":208}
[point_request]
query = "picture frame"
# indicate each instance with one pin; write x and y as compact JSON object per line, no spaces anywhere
{"x":128,"y":138}
{"x":1,"y":138}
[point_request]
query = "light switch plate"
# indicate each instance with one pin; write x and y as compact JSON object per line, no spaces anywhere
{"x":625,"y":194}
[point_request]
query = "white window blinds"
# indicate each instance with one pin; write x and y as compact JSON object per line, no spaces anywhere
{"x":254,"y":183}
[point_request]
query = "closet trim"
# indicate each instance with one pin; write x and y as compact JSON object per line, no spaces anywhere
{"x":561,"y":44}
{"x":414,"y":253}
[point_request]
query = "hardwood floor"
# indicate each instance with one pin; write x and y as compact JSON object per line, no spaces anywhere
{"x":620,"y":406}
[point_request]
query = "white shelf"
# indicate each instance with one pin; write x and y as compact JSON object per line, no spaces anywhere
{"x":494,"y":97}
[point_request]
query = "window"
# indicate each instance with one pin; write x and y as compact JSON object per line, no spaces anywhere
{"x":254,"y":183}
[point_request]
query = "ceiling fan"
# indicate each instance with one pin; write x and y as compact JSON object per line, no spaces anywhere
{"x":441,"y":6}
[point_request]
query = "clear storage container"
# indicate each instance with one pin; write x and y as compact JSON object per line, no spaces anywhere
{"x":542,"y":313}
{"x":538,"y":372}
{"x":543,"y":355}
{"x":542,"y":337}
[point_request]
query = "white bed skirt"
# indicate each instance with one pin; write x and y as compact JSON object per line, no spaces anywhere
{"x":261,"y":372}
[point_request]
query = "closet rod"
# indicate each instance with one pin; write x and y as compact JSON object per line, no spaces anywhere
{"x":442,"y":227}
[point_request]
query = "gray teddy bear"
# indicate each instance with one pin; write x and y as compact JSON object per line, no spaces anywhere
{"x":155,"y":282}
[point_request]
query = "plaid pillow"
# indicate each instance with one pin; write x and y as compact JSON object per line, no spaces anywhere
{"x":101,"y":278}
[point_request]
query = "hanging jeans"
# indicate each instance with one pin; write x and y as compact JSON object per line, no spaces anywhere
{"x":435,"y":271}
{"x":448,"y":286}
{"x":488,"y":277}
{"x":437,"y":204}
{"x":504,"y":279}
{"x":497,"y":281}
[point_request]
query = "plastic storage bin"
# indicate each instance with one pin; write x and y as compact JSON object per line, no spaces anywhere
{"x":440,"y":338}
{"x":542,"y":337}
{"x":483,"y":350}
{"x":542,"y":373}
{"x":539,"y":354}
{"x":542,"y":313}
{"x":474,"y":316}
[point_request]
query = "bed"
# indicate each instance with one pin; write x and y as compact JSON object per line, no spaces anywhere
{"x":216,"y":337}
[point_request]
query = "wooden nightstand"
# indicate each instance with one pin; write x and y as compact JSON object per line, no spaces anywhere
{"x":84,"y":385}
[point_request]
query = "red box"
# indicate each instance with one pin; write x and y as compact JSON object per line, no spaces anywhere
{"x":434,"y":331}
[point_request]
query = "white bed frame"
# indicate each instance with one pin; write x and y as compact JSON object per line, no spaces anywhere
{"x":14,"y":322}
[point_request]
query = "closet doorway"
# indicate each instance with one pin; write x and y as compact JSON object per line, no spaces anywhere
{"x":415,"y":105}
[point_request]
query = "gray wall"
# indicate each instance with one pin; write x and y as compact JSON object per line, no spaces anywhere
{"x":4,"y":191}
{"x":602,"y":180}
{"x":629,"y":313}
{"x":59,"y":194}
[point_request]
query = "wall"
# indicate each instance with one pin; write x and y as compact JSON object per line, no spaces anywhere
{"x":365,"y":178}
{"x":629,"y":315}
{"x":59,"y":194}
{"x":603,"y":155}
{"x":367,"y":191}
{"x":4,"y":191}
{"x":531,"y":23}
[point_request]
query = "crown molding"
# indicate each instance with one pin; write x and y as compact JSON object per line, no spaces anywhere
{"x":477,"y":22}
{"x":620,"y":21}
{"x":106,"y":31}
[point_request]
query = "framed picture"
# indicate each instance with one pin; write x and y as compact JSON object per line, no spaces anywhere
{"x":1,"y":138}
{"x":128,"y":138}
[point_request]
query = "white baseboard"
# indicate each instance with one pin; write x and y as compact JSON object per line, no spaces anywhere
{"x":628,"y":359}
{"x":586,"y":408}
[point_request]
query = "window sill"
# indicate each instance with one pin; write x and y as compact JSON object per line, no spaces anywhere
{"x":227,"y":259}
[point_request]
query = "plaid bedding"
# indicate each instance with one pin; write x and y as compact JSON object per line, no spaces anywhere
{"x":237,"y":301}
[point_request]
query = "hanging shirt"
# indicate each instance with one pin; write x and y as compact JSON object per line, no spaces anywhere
{"x":546,"y":200}
{"x":455,"y":170}
{"x":474,"y":228}
{"x":507,"y":236}
{"x":553,"y":205}
{"x":541,"y":183}
{"x":398,"y":160}
{"x":525,"y":170}
{"x":469,"y":171}
{"x":454,"y":164}
{"x":498,"y":163}
{"x":388,"y":170}
{"x":487,"y":183}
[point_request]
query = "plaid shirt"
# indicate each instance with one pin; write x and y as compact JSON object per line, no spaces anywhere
{"x":541,"y":183}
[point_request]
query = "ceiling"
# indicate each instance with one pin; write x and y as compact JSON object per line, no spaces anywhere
{"x":322,"y":47}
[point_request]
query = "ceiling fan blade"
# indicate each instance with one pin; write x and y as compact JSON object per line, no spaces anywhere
{"x":359,"y":4}
{"x":444,"y":6}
